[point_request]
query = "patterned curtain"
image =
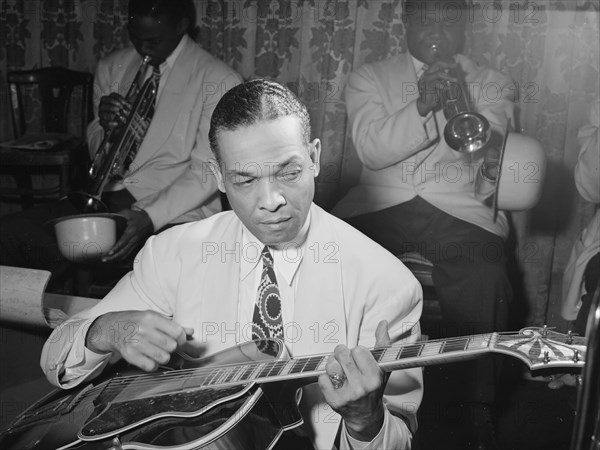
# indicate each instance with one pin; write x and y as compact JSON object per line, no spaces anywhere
{"x":549,"y":47}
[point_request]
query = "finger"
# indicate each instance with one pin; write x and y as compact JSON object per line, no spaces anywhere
{"x":345,"y":358}
{"x":140,"y":360}
{"x":189,"y":332}
{"x":333,"y":367}
{"x":382,"y":335}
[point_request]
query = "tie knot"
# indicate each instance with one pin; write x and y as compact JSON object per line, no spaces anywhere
{"x":267,"y":257}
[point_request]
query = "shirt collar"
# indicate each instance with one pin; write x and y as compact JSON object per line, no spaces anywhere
{"x":419,"y":66}
{"x":286,"y":257}
{"x":169,"y":63}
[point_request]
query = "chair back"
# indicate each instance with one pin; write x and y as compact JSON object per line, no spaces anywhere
{"x":55,"y":86}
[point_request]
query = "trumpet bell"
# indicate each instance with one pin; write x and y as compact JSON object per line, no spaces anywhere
{"x":467,"y":132}
{"x":86,"y":203}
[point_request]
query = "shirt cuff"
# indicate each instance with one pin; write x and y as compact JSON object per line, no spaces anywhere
{"x":388,"y":435}
{"x":81,"y":361}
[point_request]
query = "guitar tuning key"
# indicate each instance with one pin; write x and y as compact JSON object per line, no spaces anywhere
{"x":569,"y":337}
{"x":545,"y":331}
{"x":575,"y":355}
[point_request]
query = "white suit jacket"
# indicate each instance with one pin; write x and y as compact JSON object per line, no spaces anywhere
{"x":169,"y":177}
{"x":587,"y":245}
{"x":180,"y":273}
{"x":404,"y":155}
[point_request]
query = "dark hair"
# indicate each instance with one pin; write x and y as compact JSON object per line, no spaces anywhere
{"x":254,"y":101}
{"x":173,"y":10}
{"x":410,"y":7}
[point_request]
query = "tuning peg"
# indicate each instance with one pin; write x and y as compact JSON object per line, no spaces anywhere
{"x":545,"y":331}
{"x":546,"y":359}
{"x":569,"y":337}
{"x":575,"y":355}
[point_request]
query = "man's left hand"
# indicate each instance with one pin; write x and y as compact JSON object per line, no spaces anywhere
{"x":358,"y":397}
{"x":139,"y":228}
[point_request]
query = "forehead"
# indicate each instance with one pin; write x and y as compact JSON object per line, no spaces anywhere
{"x":444,"y":9}
{"x":264,"y":141}
{"x":146,"y":26}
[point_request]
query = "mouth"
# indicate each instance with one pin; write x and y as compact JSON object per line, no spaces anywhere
{"x":276,"y":222}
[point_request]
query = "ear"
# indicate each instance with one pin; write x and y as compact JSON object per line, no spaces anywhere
{"x":215,"y":168}
{"x":314,"y":151}
{"x":182,"y":26}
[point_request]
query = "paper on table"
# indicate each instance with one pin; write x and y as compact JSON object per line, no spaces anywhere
{"x":23,"y":301}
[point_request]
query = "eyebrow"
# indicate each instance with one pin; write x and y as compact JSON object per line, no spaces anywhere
{"x":268,"y":166}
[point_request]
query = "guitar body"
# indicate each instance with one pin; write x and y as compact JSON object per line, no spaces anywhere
{"x":125,"y":412}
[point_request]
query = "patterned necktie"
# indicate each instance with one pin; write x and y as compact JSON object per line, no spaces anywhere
{"x":267,"y":322}
{"x":140,"y":122}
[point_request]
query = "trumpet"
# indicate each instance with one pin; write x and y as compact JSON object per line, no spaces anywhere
{"x":466,"y":130}
{"x":116,"y":151}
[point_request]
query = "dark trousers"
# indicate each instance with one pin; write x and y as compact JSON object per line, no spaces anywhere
{"x":469,"y":275}
{"x":27,"y":241}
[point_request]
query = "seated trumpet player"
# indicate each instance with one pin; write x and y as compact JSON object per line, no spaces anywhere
{"x":418,"y":192}
{"x":162,"y":177}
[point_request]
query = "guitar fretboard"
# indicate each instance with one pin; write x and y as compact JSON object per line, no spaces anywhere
{"x":389,"y":358}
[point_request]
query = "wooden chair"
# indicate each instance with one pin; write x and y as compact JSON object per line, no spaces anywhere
{"x":41,"y":103}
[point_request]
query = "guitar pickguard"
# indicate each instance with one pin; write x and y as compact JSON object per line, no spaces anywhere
{"x":119,"y":417}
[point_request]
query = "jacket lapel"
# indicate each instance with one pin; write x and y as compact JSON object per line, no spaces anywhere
{"x":169,"y":106}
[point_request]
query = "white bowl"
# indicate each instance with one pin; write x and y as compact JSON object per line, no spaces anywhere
{"x":86,"y":238}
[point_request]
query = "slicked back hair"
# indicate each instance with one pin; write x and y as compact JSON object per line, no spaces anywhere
{"x":252,"y":102}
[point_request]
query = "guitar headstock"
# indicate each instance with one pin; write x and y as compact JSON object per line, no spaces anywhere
{"x":542,"y":348}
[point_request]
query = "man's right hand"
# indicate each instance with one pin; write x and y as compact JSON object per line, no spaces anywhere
{"x":113,"y":111}
{"x":431,"y":86}
{"x":145,"y":339}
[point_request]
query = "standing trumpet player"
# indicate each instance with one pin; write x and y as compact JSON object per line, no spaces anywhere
{"x":164,"y":178}
{"x":418,"y":194}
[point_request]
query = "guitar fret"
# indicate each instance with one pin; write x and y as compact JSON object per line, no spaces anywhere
{"x":454,"y":345}
{"x":266,"y":367}
{"x":312,"y":363}
{"x":409,"y":351}
{"x":298,"y":366}
{"x":277,"y":368}
{"x":247,"y":372}
{"x":232,"y":372}
{"x":378,"y":353}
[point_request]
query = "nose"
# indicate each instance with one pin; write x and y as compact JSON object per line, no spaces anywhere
{"x":271,"y":195}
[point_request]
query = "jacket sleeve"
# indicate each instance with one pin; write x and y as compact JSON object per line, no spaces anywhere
{"x":587,"y":173}
{"x":384,"y":137}
{"x":66,"y":361}
{"x":395,"y":295}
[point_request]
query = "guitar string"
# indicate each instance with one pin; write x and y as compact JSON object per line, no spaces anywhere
{"x":211,"y":374}
{"x":205,"y":373}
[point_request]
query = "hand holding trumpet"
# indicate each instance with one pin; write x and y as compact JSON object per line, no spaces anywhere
{"x":432,"y":84}
{"x":113,"y":111}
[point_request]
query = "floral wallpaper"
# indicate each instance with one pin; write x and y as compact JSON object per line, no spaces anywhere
{"x":549,"y":47}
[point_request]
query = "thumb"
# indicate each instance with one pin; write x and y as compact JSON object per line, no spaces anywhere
{"x":382,"y":337}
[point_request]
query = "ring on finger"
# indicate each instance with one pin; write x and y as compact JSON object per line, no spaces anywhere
{"x":338,"y":380}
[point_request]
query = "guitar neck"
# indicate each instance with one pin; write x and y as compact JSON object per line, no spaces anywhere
{"x":536,"y":347}
{"x":395,"y":357}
